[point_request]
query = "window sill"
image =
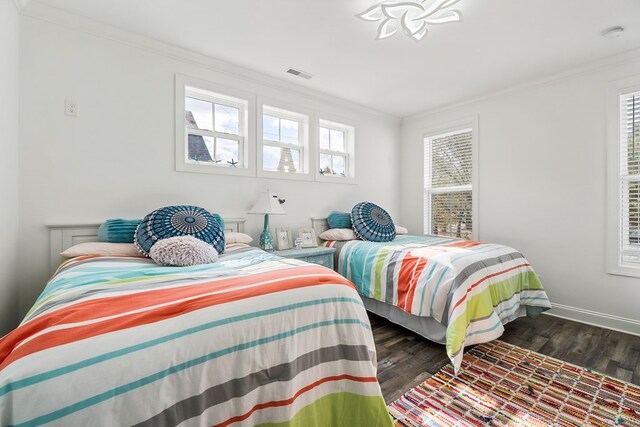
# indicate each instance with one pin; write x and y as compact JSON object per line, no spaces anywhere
{"x":336,"y":179}
{"x":214,"y":170}
{"x":285,"y":175}
{"x":625,"y":271}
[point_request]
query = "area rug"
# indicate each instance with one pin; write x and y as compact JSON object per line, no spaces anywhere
{"x":504,"y":385}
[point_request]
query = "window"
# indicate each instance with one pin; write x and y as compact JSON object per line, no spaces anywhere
{"x":625,"y":183}
{"x":214,"y":138}
{"x":285,"y":141}
{"x":224,"y":130}
{"x":213,"y":130}
{"x":448,"y":184}
{"x":336,"y":150}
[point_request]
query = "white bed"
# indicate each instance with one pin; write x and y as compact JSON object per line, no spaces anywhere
{"x":250,"y":339}
{"x":427,"y":327}
{"x":452,"y":291}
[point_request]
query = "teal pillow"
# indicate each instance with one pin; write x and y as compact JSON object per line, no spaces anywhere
{"x":118,"y":230}
{"x":339,"y":220}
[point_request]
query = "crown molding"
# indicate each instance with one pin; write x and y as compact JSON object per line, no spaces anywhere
{"x":588,"y":68}
{"x":20,"y":4}
{"x":86,"y":25}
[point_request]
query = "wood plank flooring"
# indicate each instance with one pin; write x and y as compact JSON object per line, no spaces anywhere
{"x":405,"y":359}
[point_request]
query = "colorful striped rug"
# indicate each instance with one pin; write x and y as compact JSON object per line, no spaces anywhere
{"x":504,"y":385}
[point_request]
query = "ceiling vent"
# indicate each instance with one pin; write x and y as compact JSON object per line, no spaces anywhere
{"x":299,"y":73}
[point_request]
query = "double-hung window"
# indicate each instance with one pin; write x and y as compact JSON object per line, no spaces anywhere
{"x":624,"y":174}
{"x":285,"y":141}
{"x":336,"y":150}
{"x":448,"y":184}
{"x":212,"y":129}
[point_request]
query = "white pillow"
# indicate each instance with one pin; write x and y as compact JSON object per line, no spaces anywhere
{"x":182,"y":251}
{"x":101,"y":248}
{"x":338,"y":234}
{"x":235,"y":237}
{"x":401,"y":230}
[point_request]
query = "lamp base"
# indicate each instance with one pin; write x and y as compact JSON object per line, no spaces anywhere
{"x":266,"y":239}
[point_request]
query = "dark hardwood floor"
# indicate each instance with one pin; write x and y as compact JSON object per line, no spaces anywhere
{"x":405,"y":359}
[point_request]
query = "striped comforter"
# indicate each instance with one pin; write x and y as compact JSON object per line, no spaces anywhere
{"x":470,"y":287}
{"x":253,"y":339}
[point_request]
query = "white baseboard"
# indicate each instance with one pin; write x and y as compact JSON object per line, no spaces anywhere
{"x":595,"y":318}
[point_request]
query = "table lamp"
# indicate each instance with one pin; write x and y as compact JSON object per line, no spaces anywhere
{"x":267,"y":204}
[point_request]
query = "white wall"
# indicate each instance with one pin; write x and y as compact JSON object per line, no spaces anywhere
{"x":117,"y":158}
{"x":9,"y":61}
{"x":542,"y":186}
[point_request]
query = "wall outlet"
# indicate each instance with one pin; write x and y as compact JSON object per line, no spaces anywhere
{"x":71,"y":107}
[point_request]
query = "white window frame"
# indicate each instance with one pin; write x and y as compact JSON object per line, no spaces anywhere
{"x":284,"y":110}
{"x":615,"y":90}
{"x":350,"y":154}
{"x":211,"y":92}
{"x":452,"y":127}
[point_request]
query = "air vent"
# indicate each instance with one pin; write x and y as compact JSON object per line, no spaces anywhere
{"x":299,"y":73}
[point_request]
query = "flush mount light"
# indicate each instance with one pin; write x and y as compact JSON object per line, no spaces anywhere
{"x":414,"y":17}
{"x":613,"y":32}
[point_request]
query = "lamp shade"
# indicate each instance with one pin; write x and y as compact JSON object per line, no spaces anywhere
{"x":267,"y":203}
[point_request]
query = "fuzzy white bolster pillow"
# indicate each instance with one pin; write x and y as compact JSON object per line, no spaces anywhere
{"x":182,"y":251}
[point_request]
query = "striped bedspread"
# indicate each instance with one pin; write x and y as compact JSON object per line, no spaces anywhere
{"x":470,"y":287}
{"x":251,"y":340}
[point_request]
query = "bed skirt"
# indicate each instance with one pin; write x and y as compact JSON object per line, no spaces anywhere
{"x":427,"y":327}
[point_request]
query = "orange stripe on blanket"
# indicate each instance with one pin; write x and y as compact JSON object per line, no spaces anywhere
{"x":465,"y":244}
{"x":104,"y":307}
{"x":461,"y":300}
{"x":287,"y":402}
{"x":112,"y":305}
{"x":410,"y":272}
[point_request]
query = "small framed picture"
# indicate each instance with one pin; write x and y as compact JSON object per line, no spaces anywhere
{"x":308,"y":236}
{"x":283,"y":234}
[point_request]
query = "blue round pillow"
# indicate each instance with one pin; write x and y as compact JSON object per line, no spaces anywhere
{"x":372,"y":223}
{"x":172,"y":221}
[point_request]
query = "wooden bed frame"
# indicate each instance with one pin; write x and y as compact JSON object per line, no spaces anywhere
{"x":63,"y":236}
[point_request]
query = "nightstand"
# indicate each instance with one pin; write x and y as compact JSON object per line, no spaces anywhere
{"x":320,"y":255}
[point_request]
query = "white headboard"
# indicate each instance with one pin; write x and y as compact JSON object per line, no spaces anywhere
{"x":63,"y":236}
{"x":319,"y":224}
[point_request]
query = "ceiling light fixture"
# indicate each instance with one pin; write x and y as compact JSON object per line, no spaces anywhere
{"x":414,"y":17}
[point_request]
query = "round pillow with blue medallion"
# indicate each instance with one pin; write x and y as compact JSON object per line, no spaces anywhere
{"x":172,"y":221}
{"x":372,"y":223}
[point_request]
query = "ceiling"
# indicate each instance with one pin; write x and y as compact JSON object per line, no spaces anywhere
{"x":499,"y":43}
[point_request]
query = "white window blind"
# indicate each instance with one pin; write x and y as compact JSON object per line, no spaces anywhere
{"x":629,"y":180}
{"x":448,"y":184}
